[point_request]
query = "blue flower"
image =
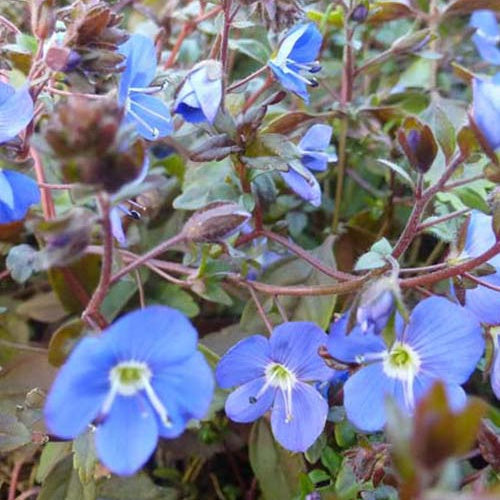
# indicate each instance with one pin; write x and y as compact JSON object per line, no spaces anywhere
{"x":314,"y":158}
{"x":297,"y":55}
{"x":17,"y":193}
{"x":199,"y":97}
{"x":487,"y":35}
{"x":16,"y":110}
{"x":141,"y":379}
{"x":486,"y":107}
{"x":375,"y":306}
{"x":273,"y":373}
{"x":149,"y":114}
{"x":442,"y":341}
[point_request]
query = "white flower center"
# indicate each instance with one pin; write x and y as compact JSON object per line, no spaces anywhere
{"x":127,"y":379}
{"x":403,"y":362}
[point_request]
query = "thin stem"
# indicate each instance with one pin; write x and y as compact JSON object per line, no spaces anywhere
{"x":303,"y":254}
{"x":247,"y":79}
{"x":29,"y":493}
{"x":253,"y":98}
{"x":49,"y":211}
{"x":281,"y":309}
{"x":481,"y":282}
{"x":444,"y":218}
{"x":260,"y":310}
{"x":14,"y":478}
{"x":100,"y":292}
{"x":140,"y":288}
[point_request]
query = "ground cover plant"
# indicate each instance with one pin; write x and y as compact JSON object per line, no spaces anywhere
{"x":250,"y":249}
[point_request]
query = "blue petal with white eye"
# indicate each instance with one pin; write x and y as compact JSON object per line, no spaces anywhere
{"x":295,"y":345}
{"x":309,"y":410}
{"x":23,"y":193}
{"x":16,"y":111}
{"x":486,"y":107}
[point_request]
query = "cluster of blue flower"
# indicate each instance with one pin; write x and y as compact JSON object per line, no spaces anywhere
{"x":144,"y":377}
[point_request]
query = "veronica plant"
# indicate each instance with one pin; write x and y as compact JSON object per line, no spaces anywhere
{"x":406,"y":369}
{"x":314,"y":158}
{"x":487,"y":35}
{"x":17,"y":193}
{"x":296,"y":57}
{"x":274,"y":374}
{"x":200,"y":95}
{"x":149,"y":114}
{"x":143,"y":378}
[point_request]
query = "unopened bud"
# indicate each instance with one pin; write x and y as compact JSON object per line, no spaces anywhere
{"x":376,"y":305}
{"x":215,"y":222}
{"x":43,"y":18}
{"x":418,"y":143}
{"x":62,"y":59}
{"x":360,"y":13}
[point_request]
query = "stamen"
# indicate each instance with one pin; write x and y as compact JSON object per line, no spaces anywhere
{"x":157,"y":404}
{"x":152,"y":113}
{"x":147,"y":90}
{"x":154,"y":131}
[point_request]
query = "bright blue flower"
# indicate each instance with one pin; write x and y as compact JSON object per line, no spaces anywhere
{"x":149,"y":114}
{"x":296,"y":56}
{"x":17,"y":193}
{"x":273,"y":373}
{"x":314,"y":158}
{"x":141,"y":379}
{"x":200,"y":95}
{"x":487,"y":35}
{"x":486,"y":106}
{"x":16,"y":110}
{"x":442,"y":341}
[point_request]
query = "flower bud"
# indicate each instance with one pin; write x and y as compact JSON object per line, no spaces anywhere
{"x":418,"y":143}
{"x":43,"y":18}
{"x":360,"y":13}
{"x":376,"y":305}
{"x":215,"y":222}
{"x":62,"y":59}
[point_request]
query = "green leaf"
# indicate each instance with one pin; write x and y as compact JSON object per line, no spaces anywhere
{"x":118,"y":296}
{"x":376,"y":257}
{"x":84,"y":456}
{"x":63,"y":483}
{"x":136,"y":487}
{"x":13,"y":433}
{"x":294,"y":271}
{"x":459,"y":7}
{"x":277,"y":470}
{"x":52,"y":453}
{"x":472,"y":198}
{"x":64,"y":339}
{"x":44,"y":307}
{"x":254,"y":49}
{"x":174,"y":296}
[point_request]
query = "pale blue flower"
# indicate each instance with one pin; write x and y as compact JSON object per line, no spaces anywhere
{"x":296,"y":60}
{"x":314,"y":158}
{"x":275,"y":374}
{"x":141,"y":379}
{"x":442,"y":341}
{"x":149,"y":114}
{"x":200,"y":95}
{"x":17,"y":193}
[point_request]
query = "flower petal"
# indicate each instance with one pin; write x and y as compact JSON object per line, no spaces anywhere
{"x":188,"y":384}
{"x":117,"y":226}
{"x":486,"y":106}
{"x":488,"y":51}
{"x":80,"y":388}
{"x":364,"y":397}
{"x":485,"y":302}
{"x":316,"y":161}
{"x":245,"y":361}
{"x":435,"y":325}
{"x":140,"y":64}
{"x":308,"y":189}
{"x":128,"y":435}
{"x":309,"y":410}
{"x":290,"y":82}
{"x":317,"y":138}
{"x":480,"y":237}
{"x":242,"y":405}
{"x":295,"y":344}
{"x":151,"y":115}
{"x":15,"y":113}
{"x":495,"y":374}
{"x":348,"y":347}
{"x":6,"y":193}
{"x":208,"y":89}
{"x":156,"y":335}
